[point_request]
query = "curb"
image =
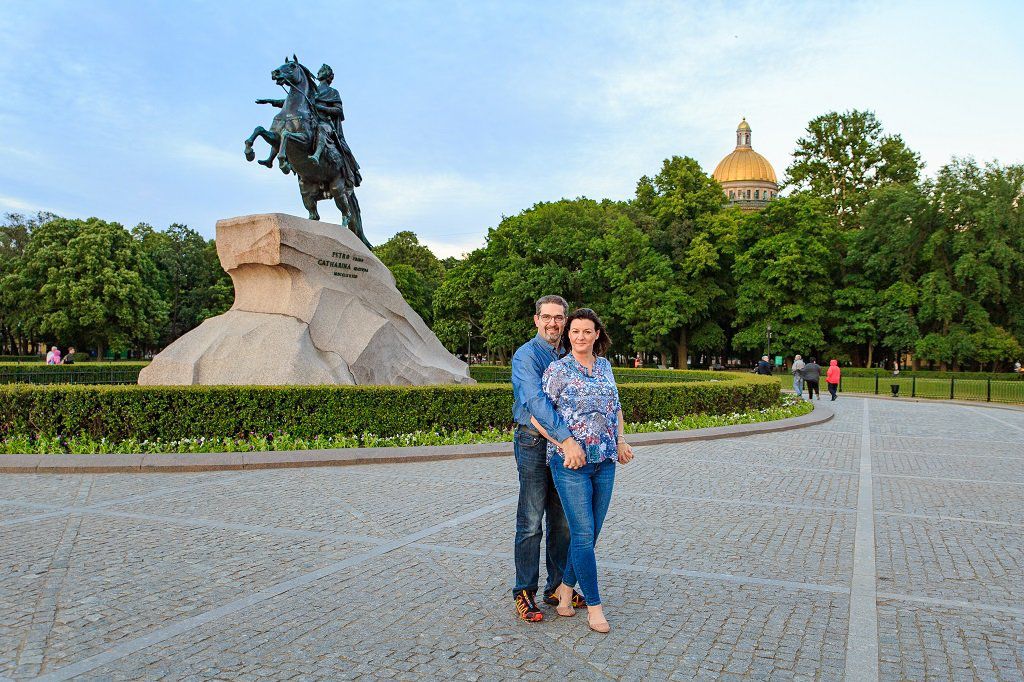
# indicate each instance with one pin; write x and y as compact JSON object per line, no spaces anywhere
{"x":229,"y":461}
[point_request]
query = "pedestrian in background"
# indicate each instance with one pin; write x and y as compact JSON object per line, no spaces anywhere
{"x":764,"y":367}
{"x":812,"y":375}
{"x":53,"y":357}
{"x":69,"y":359}
{"x":832,"y":377}
{"x":798,"y":377}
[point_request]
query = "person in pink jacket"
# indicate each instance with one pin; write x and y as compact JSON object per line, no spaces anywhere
{"x":832,"y":377}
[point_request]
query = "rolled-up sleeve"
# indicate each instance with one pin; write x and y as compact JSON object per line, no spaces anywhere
{"x":526,"y":375}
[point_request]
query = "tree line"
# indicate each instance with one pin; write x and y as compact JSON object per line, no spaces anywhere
{"x":864,"y":259}
{"x":96,"y":285}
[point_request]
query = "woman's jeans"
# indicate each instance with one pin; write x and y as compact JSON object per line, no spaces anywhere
{"x":798,"y":385}
{"x":585,"y":493}
{"x":832,"y":389}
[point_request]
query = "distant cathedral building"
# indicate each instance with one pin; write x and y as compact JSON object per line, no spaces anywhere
{"x":746,"y":176}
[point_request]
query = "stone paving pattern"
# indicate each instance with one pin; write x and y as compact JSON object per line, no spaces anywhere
{"x":727,"y":559}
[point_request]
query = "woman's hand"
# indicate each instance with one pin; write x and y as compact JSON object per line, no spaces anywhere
{"x":625,"y":452}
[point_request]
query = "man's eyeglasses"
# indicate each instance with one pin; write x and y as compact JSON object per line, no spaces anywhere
{"x":551,"y":318}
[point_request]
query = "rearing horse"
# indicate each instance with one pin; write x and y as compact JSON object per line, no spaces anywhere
{"x":291,"y":138}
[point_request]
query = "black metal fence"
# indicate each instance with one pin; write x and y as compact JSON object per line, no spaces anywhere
{"x":78,"y":375}
{"x":951,"y":388}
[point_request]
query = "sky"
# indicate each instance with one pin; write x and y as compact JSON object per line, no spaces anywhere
{"x":460,"y":113}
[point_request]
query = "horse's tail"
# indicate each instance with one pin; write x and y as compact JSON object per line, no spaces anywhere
{"x":355,"y":219}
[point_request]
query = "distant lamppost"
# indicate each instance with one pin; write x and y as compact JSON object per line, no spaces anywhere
{"x":469,"y":342}
{"x":769,"y":351}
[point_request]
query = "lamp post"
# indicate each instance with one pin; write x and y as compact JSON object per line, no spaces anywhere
{"x":469,"y":342}
{"x":769,"y":351}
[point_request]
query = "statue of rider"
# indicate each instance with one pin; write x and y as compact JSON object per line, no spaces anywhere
{"x":328,"y":104}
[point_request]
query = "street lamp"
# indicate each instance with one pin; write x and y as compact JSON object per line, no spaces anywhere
{"x":769,"y":351}
{"x":469,"y":342}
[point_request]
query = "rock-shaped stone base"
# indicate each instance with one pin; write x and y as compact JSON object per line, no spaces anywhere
{"x":312,"y":306}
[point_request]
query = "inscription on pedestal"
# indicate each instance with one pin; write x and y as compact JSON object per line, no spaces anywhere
{"x":343,"y":264}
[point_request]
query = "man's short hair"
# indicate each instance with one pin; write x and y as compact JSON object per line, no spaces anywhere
{"x":551,"y":298}
{"x":765,"y":358}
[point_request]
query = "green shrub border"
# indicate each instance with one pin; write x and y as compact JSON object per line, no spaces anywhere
{"x":168,"y":412}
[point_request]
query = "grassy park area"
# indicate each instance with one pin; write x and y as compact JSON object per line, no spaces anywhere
{"x":938,"y":388}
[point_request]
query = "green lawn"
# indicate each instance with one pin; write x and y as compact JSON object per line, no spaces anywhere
{"x":1011,"y":391}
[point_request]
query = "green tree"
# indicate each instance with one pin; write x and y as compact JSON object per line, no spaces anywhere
{"x":188,"y":277}
{"x":877,"y":304}
{"x":459,"y":301}
{"x":589,"y":252}
{"x":682,"y":204}
{"x":89,"y":283}
{"x":783,"y":276}
{"x":972,"y":261}
{"x":418,"y":272}
{"x":16,"y":330}
{"x":843,"y":156}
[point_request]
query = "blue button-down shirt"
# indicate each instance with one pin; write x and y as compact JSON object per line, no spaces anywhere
{"x":528,"y":365}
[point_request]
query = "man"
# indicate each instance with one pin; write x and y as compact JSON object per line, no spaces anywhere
{"x":537,"y":495}
{"x":798,"y":377}
{"x":763,"y":367}
{"x":69,"y":359}
{"x":328,"y":104}
{"x":812,"y":375}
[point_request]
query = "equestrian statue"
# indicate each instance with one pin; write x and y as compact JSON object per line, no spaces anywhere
{"x":306,"y":138}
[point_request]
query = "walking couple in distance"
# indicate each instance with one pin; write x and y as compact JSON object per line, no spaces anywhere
{"x":568,"y":438}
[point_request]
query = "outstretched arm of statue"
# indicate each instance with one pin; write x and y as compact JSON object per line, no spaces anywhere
{"x":272,"y":102}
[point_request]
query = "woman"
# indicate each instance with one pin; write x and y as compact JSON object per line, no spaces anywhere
{"x":832,"y":377}
{"x":582,"y":388}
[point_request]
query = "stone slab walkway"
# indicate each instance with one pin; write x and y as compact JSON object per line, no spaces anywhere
{"x":887,"y":543}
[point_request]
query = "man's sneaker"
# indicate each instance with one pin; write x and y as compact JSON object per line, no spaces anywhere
{"x":578,"y":602}
{"x":526,"y":607}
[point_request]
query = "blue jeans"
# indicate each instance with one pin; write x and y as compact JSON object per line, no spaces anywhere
{"x":537,"y":499}
{"x":586,"y":493}
{"x":798,"y":386}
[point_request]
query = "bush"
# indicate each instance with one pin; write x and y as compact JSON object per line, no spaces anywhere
{"x":623,"y":375}
{"x":169,"y":412}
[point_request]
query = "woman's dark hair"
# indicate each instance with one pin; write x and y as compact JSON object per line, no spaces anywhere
{"x":603,"y":342}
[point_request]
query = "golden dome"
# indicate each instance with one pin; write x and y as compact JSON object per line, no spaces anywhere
{"x":744,"y":164}
{"x":743,"y":124}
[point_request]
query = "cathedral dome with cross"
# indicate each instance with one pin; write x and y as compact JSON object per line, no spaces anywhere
{"x":748,"y":179}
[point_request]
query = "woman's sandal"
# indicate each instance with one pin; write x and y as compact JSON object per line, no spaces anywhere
{"x":603,"y":628}
{"x":568,"y":611}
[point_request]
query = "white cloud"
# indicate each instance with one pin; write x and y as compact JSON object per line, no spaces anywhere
{"x":446,"y":249}
{"x":19,"y":206}
{"x":207,"y":155}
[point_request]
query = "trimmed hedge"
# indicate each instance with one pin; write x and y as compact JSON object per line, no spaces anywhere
{"x":623,"y":375}
{"x":168,"y":412}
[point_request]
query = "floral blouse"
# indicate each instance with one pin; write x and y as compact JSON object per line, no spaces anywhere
{"x":589,"y":404}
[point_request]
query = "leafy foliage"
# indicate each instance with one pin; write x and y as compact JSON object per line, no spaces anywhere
{"x":172,"y":412}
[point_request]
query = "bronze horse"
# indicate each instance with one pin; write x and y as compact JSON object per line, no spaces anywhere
{"x":292,"y":141}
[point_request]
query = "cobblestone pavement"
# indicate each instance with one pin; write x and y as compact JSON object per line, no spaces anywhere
{"x":885,"y":544}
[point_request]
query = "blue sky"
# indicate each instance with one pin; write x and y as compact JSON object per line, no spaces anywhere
{"x":460,"y":113}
